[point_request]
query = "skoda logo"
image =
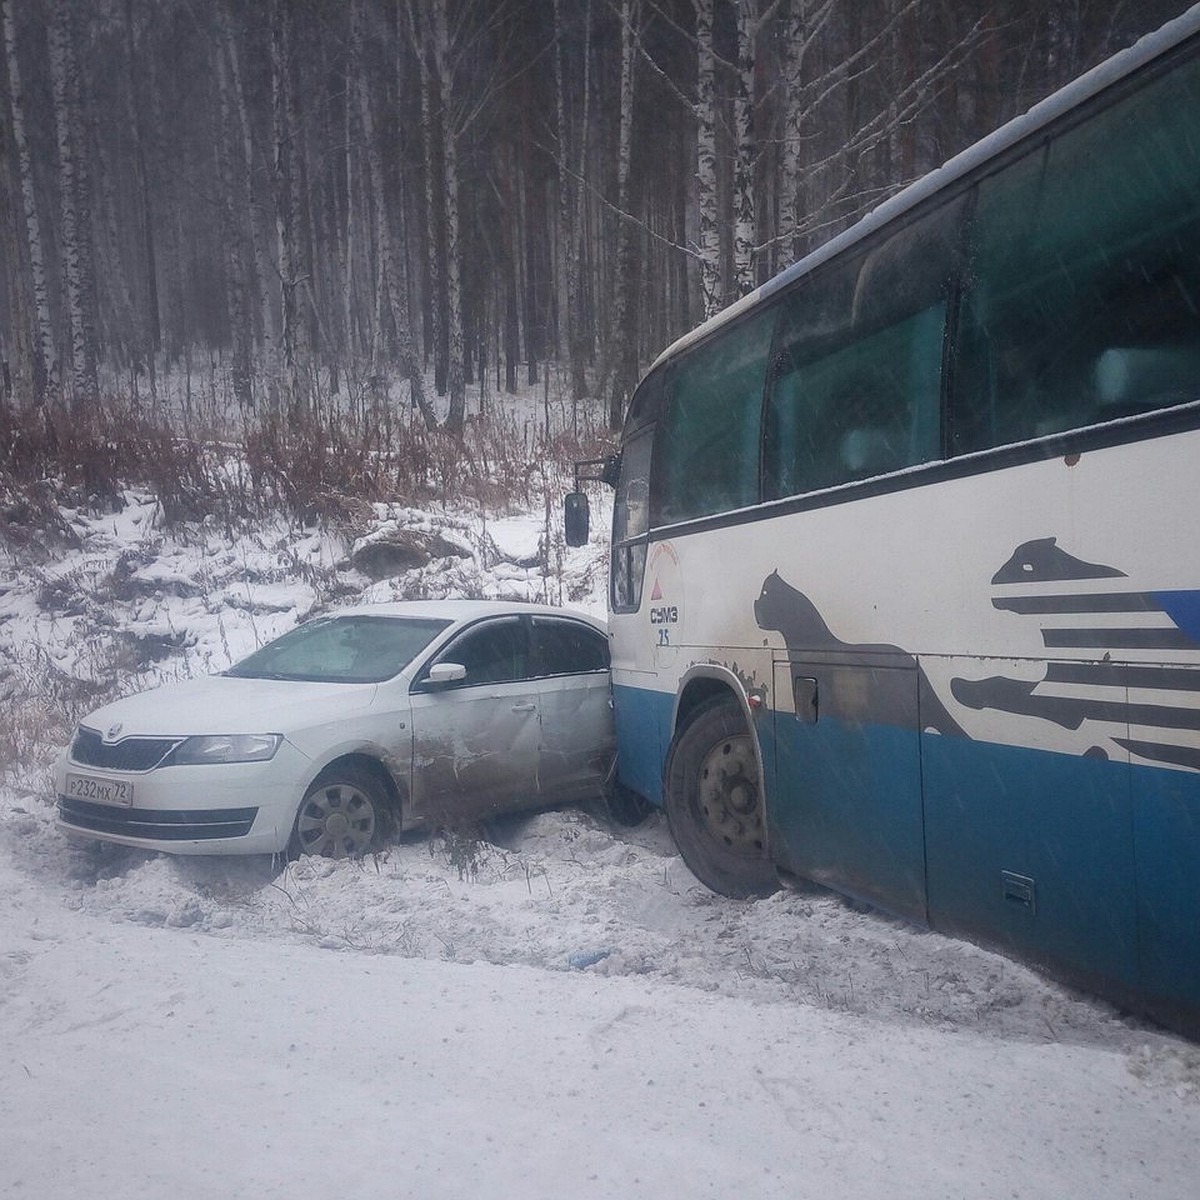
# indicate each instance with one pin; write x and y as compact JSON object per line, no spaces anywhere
{"x":113,"y":732}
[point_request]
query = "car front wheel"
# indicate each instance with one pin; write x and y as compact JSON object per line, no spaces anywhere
{"x":342,"y":815}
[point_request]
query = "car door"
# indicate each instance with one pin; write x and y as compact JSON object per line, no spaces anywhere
{"x":476,"y":739}
{"x":578,"y":741}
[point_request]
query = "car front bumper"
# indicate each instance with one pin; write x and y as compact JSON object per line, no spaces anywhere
{"x":234,"y":808}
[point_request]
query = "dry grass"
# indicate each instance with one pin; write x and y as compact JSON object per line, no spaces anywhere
{"x":320,"y":465}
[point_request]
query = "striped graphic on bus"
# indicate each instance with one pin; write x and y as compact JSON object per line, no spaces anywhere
{"x":1151,"y":708}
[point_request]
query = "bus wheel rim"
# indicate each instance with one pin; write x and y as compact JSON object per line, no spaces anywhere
{"x":727,"y":799}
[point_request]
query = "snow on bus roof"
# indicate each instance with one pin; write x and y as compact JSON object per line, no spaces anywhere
{"x":1089,"y":84}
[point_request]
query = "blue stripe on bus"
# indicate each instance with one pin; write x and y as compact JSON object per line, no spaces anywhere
{"x":643,"y":721}
{"x":845,"y":809}
{"x":1086,"y":865}
{"x":1033,"y":852}
{"x":1183,"y":608}
{"x":1166,"y":831}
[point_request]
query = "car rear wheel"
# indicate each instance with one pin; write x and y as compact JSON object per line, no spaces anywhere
{"x":343,"y":815}
{"x":713,"y":802}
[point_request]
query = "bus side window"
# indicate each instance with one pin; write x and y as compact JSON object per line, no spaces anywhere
{"x":708,"y":448}
{"x":1083,"y":298}
{"x":856,"y":382}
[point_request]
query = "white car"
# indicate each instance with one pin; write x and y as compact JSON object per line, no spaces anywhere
{"x":352,"y":725}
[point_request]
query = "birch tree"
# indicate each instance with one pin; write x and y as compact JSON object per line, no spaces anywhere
{"x":241,"y":328}
{"x":712,"y":288}
{"x":263,"y":272}
{"x":284,"y":131}
{"x":572,"y":199}
{"x":454,"y":317}
{"x":392,"y":278}
{"x":802,"y":22}
{"x":14,"y":334}
{"x":540,"y":176}
{"x":42,"y":347}
{"x":74,"y":199}
{"x":348,"y":224}
{"x":623,"y":339}
{"x":145,"y":208}
{"x":744,"y":223}
{"x":436,"y":341}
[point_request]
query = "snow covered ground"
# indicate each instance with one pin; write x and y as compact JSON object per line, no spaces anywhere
{"x":555,"y":1009}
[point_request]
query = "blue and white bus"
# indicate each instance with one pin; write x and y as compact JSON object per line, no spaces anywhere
{"x":905,"y":579}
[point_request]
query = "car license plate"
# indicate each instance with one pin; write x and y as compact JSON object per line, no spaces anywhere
{"x":102,"y":791}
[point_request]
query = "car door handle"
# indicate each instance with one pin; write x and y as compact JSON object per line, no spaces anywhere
{"x":523,"y":707}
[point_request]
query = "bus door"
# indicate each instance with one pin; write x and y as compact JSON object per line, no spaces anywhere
{"x":845,"y":807}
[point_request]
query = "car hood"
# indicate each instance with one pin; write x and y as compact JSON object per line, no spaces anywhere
{"x":226,"y":704}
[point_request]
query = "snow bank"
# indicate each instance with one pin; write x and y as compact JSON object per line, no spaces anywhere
{"x":552,"y":1008}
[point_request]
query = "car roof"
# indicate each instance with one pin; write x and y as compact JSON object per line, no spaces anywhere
{"x":463,"y":610}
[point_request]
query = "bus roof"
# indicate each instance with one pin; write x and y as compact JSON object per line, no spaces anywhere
{"x":1092,"y":82}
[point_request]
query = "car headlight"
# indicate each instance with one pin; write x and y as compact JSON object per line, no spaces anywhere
{"x":227,"y":748}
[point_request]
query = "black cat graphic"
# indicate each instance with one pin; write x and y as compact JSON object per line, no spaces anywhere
{"x":889,"y":698}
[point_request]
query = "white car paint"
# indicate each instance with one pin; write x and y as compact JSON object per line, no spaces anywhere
{"x":455,"y":751}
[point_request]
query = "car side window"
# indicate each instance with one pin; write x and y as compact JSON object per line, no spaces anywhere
{"x":494,"y":652}
{"x":567,"y":648}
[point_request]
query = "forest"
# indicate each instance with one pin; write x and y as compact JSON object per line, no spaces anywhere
{"x":369,"y":205}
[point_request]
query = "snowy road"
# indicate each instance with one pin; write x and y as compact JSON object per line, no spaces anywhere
{"x":209,"y":1028}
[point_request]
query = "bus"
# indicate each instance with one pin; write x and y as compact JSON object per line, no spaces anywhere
{"x":905,"y":571}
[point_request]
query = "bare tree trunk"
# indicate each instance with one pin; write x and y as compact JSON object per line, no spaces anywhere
{"x":581,"y":344}
{"x":236,"y":292}
{"x":119,"y":326}
{"x":42,"y":343}
{"x":433,"y":227}
{"x":623,"y":338}
{"x":792,"y":128}
{"x":264,"y":272}
{"x":744,"y":224}
{"x":512,"y":318}
{"x":284,"y":128}
{"x":391,"y":274}
{"x":75,"y":210}
{"x":511,"y":273}
{"x":153,"y":331}
{"x":711,"y":286}
{"x":16,"y":356}
{"x":525,"y":223}
{"x":570,"y":200}
{"x":563,"y":230}
{"x":457,"y":378}
{"x":347,"y":241}
{"x":801,"y":20}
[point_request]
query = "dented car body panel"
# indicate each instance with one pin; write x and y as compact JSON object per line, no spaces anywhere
{"x":475,"y":752}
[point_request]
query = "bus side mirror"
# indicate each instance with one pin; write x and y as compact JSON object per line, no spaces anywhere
{"x":576,"y":518}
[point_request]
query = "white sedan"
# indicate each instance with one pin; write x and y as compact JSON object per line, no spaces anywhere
{"x":352,"y":725}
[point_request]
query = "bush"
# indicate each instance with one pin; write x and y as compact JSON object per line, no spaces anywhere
{"x":318,"y":465}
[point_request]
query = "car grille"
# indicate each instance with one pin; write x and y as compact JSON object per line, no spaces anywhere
{"x":89,"y":749}
{"x":151,"y":823}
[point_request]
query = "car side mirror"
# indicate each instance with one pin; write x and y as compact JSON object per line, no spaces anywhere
{"x":446,"y":672}
{"x":576,"y":518}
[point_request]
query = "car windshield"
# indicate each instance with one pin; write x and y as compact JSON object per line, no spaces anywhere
{"x":357,"y":649}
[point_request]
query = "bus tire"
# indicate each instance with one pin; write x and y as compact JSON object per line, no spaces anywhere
{"x":714,"y":809}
